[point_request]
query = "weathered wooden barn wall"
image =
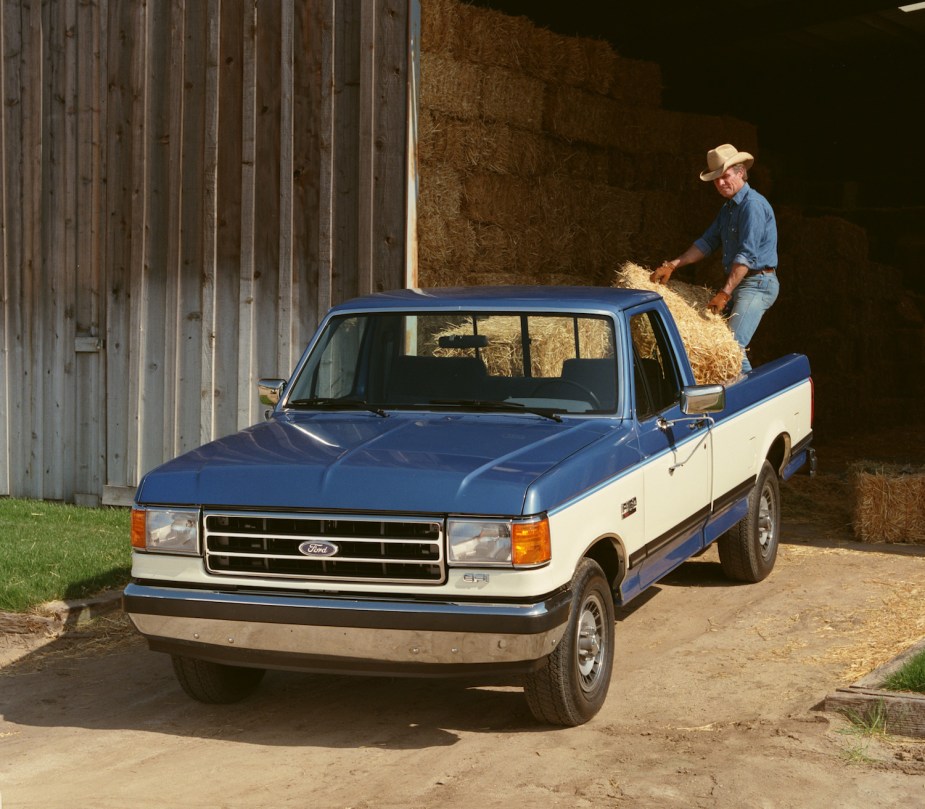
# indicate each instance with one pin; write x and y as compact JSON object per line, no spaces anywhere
{"x":186,"y":186}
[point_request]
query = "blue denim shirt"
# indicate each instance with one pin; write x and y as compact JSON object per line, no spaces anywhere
{"x":746,"y":229}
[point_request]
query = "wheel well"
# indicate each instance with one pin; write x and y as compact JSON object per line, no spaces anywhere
{"x":607,"y":554}
{"x":779,"y":453}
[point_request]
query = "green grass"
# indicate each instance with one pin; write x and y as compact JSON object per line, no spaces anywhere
{"x":869,"y":722}
{"x":53,"y":551}
{"x":864,"y":725}
{"x":911,"y":677}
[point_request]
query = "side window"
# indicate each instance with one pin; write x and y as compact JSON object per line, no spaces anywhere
{"x":654,"y":370}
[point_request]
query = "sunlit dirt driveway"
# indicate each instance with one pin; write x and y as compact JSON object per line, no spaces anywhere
{"x":713,"y":703}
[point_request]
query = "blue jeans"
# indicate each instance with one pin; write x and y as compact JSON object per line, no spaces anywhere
{"x":754,"y":295}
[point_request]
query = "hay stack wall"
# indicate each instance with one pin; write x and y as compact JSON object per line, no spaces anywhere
{"x":545,"y":158}
{"x":548,"y":159}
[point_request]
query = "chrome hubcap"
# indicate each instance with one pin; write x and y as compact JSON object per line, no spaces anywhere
{"x":590,"y":647}
{"x":766,"y":527}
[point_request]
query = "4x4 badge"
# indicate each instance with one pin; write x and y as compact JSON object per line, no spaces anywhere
{"x":629,"y":508}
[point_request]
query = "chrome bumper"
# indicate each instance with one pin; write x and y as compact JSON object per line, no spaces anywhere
{"x":384,"y":636}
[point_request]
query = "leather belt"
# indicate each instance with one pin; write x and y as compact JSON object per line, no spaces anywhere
{"x":761,"y":272}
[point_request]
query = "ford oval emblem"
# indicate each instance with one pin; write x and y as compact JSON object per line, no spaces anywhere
{"x":314,"y":547}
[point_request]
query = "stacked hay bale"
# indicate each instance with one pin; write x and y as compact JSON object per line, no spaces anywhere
{"x":716,"y":357}
{"x":548,"y":159}
{"x":550,"y":344}
{"x":545,"y":158}
{"x":890,"y":503}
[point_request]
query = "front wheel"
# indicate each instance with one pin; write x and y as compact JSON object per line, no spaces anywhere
{"x":572,"y":685}
{"x":748,"y":550}
{"x":215,"y":683}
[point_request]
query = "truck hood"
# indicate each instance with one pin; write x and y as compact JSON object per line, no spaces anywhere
{"x":408,"y":462}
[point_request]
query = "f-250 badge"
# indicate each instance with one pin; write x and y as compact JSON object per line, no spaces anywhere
{"x":629,"y":508}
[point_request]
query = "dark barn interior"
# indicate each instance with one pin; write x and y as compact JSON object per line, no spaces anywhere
{"x":834,"y":92}
{"x":835,"y":89}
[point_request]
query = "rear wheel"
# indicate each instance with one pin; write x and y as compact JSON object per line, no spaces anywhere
{"x":572,"y":685}
{"x":748,"y":551}
{"x":215,"y":683}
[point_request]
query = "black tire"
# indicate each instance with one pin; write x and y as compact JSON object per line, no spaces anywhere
{"x":572,"y":685}
{"x":214,"y":683}
{"x":748,"y":551}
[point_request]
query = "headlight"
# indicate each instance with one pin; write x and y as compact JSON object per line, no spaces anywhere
{"x":166,"y":530}
{"x":498,"y":543}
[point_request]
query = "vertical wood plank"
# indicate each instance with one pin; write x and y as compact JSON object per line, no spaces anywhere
{"x":210,"y":223}
{"x":9,"y":227}
{"x":156,"y":279}
{"x":389,"y":126}
{"x":229,"y":200}
{"x":33,"y":330}
{"x":414,"y":104}
{"x":288,"y":288}
{"x":346,"y":140}
{"x":306,"y":115}
{"x":267,"y":196}
{"x":61,"y":415}
{"x":188,"y":369}
{"x":90,"y":395}
{"x":246,"y":302}
{"x":122,"y":25}
{"x":326,"y":21}
{"x":173,"y":271}
{"x":366,"y":156}
{"x":136,"y":275}
{"x":52,"y":270}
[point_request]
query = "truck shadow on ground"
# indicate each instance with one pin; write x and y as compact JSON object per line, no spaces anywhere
{"x":128,"y":687}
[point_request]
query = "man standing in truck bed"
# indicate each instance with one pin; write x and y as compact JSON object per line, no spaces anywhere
{"x":746,"y":230}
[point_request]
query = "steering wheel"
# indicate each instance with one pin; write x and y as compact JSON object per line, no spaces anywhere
{"x":586,"y":393}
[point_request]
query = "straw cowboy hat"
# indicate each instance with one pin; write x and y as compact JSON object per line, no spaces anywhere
{"x":721,"y":158}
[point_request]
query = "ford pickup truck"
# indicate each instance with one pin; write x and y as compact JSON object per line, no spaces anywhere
{"x":463,"y":482}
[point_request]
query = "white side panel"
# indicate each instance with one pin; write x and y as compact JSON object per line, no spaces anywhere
{"x":741,"y":443}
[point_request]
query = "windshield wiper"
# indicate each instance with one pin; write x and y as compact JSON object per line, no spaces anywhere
{"x":330,"y":403}
{"x":484,"y":404}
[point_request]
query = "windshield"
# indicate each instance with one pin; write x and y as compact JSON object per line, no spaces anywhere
{"x":478,"y":360}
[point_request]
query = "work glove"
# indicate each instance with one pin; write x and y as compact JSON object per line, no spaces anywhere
{"x":718,"y":302}
{"x":662,"y":274}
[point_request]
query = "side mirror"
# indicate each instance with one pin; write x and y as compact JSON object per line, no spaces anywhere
{"x":699,"y":399}
{"x":270,"y":390}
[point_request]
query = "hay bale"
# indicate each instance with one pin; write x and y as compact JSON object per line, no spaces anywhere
{"x":576,"y":114}
{"x":473,"y":144}
{"x":889,"y":503}
{"x":489,"y":37}
{"x":445,"y":244}
{"x":715,"y":356}
{"x":439,"y":25}
{"x":441,"y":191}
{"x":550,"y":344}
{"x":511,"y":97}
{"x":636,"y":83}
{"x":449,"y":85}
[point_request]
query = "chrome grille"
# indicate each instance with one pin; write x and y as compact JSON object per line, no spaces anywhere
{"x":380,"y":549}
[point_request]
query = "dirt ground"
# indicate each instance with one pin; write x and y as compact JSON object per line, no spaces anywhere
{"x":714,"y":702}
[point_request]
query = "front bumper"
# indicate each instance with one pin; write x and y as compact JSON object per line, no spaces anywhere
{"x":341,"y":634}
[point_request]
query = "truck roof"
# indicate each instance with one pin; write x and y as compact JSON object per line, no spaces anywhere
{"x":552,"y":298}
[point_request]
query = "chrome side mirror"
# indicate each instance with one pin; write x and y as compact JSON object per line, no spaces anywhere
{"x":270,"y":390}
{"x":699,"y":399}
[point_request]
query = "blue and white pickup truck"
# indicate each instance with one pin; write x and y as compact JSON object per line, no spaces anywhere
{"x":463,"y":482}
